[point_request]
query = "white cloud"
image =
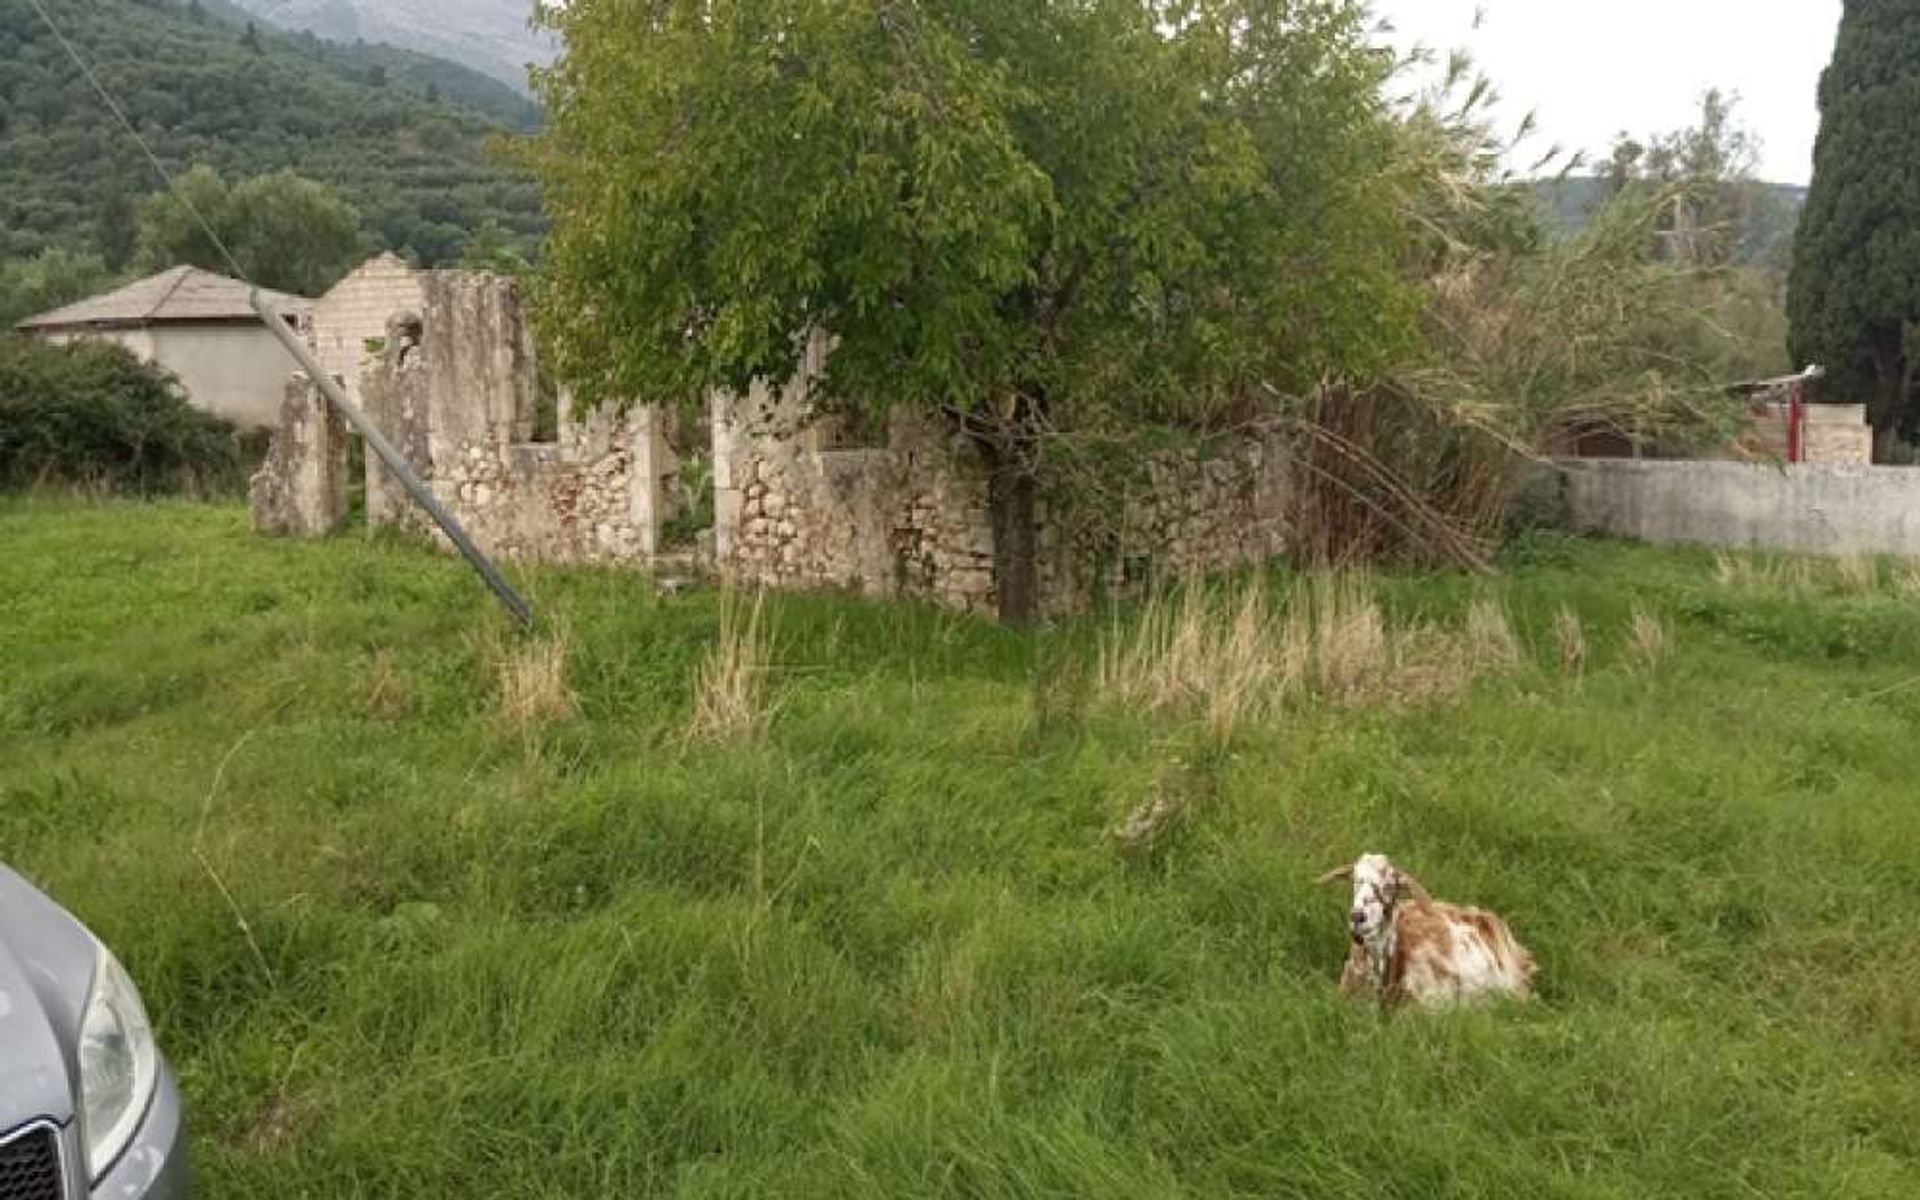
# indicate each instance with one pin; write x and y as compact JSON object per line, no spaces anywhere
{"x":1590,"y":70}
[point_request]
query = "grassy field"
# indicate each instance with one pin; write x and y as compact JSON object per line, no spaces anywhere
{"x":871,"y":934}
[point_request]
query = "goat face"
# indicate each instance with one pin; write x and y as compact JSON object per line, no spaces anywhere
{"x":1378,"y":885}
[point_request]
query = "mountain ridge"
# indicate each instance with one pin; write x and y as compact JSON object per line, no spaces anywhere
{"x":494,"y":37}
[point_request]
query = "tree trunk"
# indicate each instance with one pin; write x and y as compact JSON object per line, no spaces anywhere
{"x":1889,"y":392}
{"x":1012,"y":505}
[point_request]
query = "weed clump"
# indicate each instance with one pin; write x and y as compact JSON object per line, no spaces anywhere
{"x":1572,"y":636}
{"x":730,"y":701}
{"x":530,"y":679}
{"x":1649,"y":639}
{"x":1232,"y":659}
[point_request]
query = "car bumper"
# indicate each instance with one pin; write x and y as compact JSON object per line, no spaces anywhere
{"x":154,"y":1167}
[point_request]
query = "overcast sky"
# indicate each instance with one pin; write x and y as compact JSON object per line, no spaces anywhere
{"x":1591,"y":69}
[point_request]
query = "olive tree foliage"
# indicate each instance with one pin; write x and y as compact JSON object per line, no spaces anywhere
{"x":288,"y":232}
{"x":1853,"y":297}
{"x":54,"y":277}
{"x":1062,"y":225}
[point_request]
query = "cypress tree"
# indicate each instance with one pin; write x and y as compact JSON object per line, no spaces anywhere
{"x":1853,"y":298}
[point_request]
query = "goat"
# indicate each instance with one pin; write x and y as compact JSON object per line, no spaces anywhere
{"x":1409,"y":947}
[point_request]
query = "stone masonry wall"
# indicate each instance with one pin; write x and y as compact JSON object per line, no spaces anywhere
{"x":907,"y":519}
{"x":910,"y":518}
{"x":455,"y":388}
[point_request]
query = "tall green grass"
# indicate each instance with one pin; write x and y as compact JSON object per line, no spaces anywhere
{"x":889,"y":946}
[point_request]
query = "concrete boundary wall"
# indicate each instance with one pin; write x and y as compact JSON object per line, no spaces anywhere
{"x":1814,"y":508}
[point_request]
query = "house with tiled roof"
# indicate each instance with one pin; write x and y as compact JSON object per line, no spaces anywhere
{"x":198,"y":325}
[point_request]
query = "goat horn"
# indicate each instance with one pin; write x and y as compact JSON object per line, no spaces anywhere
{"x":1345,"y":872}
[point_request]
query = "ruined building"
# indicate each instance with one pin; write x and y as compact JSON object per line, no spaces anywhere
{"x":452,"y":380}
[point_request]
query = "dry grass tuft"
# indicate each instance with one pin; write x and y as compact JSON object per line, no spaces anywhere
{"x":1731,"y":569}
{"x":1745,"y":570}
{"x":1849,"y":574}
{"x":730,"y":688}
{"x":1649,"y":639}
{"x":1228,"y":659}
{"x":1352,"y":653}
{"x":1185,"y":655}
{"x":1572,"y":636}
{"x":1906,"y":579}
{"x":530,"y":677}
{"x":1857,"y":573}
{"x":1431,"y":665}
{"x":1241,"y":689}
{"x":1490,"y":636}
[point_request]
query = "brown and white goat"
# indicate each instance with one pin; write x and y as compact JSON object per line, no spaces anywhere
{"x":1410,"y":948}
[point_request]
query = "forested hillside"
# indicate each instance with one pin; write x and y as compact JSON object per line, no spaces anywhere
{"x":404,"y":138}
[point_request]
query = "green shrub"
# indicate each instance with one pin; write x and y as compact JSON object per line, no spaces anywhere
{"x":91,"y":415}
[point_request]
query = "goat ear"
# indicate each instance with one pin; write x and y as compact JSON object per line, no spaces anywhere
{"x":1407,"y":885}
{"x":1337,"y":873}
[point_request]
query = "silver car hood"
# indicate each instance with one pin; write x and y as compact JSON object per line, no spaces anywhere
{"x":46,"y":968}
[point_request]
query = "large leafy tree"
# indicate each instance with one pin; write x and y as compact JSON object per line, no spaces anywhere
{"x":1853,"y":298}
{"x":287,"y":232}
{"x":1054,"y":222}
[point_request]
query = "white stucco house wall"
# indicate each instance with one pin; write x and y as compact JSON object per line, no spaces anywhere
{"x":201,"y":327}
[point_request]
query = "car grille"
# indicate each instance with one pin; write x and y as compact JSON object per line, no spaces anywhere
{"x":30,"y":1166}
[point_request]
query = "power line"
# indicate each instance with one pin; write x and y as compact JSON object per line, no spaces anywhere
{"x":159,"y":167}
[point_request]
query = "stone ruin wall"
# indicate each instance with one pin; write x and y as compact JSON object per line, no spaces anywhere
{"x":300,"y":489}
{"x":910,"y":518}
{"x":907,"y":519}
{"x":456,"y":389}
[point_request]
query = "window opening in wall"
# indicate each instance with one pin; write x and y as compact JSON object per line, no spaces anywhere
{"x":830,"y":430}
{"x":546,"y":407}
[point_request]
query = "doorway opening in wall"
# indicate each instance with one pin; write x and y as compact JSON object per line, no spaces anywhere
{"x":691,"y":515}
{"x":688,"y":523}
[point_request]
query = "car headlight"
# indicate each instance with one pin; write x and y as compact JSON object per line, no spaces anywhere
{"x":119,"y":1064}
